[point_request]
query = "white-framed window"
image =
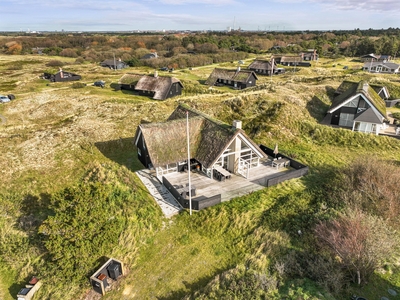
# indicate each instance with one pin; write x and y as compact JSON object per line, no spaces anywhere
{"x":365,"y":127}
{"x":346,"y":120}
{"x":352,"y":103}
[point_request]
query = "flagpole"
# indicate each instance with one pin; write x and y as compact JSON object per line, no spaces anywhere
{"x":188,"y":149}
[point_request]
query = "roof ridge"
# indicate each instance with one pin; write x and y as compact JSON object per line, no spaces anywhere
{"x":205,"y":116}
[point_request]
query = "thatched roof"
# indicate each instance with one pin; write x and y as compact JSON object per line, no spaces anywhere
{"x":129,"y":78}
{"x":345,"y":85}
{"x":167,"y":142}
{"x":260,"y":64}
{"x":362,"y":88}
{"x":290,"y":59}
{"x":233,"y":75}
{"x":160,"y":85}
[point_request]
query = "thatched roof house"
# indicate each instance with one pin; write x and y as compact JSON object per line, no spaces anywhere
{"x":159,"y":87}
{"x":238,"y":79}
{"x":128,"y":81}
{"x":265,"y":67}
{"x":156,"y":87}
{"x":212,"y":143}
{"x":359,"y":107}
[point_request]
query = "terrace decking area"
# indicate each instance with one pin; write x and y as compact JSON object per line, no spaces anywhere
{"x":207,"y":192}
{"x":235,"y":186}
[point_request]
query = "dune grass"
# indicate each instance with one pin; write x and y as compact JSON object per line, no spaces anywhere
{"x":55,"y":133}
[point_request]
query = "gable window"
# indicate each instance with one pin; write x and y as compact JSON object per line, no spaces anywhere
{"x":352,"y":103}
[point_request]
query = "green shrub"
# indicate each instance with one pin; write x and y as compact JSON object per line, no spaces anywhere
{"x":78,"y":85}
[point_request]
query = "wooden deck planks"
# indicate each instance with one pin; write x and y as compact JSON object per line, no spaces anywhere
{"x":234,"y":187}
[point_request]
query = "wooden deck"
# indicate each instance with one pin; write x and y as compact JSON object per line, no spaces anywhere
{"x":234,"y":187}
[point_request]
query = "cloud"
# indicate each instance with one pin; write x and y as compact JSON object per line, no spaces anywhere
{"x":206,"y":2}
{"x":366,"y":5}
{"x":369,"y":5}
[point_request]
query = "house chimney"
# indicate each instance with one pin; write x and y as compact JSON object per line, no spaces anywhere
{"x":61,"y":73}
{"x":237,"y":124}
{"x":155,"y":74}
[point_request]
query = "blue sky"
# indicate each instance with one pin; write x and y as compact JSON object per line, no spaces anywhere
{"x":124,"y":15}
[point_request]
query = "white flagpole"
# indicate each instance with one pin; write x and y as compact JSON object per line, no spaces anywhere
{"x":188,"y":149}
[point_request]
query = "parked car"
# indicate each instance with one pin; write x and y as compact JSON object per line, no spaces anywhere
{"x":164,"y":69}
{"x":4,"y":99}
{"x":100,"y":83}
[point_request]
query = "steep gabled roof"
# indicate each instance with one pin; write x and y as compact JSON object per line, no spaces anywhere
{"x":372,"y":55}
{"x":233,"y":75}
{"x":364,"y":89}
{"x":166,"y":142}
{"x":369,"y":116}
{"x":260,"y":64}
{"x":379,"y":89}
{"x":160,"y":85}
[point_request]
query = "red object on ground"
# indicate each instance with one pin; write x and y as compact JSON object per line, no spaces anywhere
{"x":34,"y":280}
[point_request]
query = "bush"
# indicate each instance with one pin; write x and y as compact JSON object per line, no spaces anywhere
{"x":78,"y":85}
{"x":55,"y":63}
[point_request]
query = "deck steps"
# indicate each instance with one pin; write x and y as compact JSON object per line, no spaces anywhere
{"x":163,"y":197}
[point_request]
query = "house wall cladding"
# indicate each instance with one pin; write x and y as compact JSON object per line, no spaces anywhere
{"x":198,"y":203}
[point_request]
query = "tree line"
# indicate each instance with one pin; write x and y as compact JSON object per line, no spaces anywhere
{"x":180,"y":48}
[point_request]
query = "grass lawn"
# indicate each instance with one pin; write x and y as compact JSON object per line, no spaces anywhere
{"x":55,"y":134}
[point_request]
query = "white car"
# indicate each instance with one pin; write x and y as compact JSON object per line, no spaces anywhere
{"x":4,"y":99}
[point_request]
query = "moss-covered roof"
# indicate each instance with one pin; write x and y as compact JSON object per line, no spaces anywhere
{"x":361,"y":88}
{"x":130,"y":78}
{"x":345,"y":85}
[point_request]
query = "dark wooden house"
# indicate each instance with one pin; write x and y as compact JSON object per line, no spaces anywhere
{"x":213,"y":144}
{"x":375,"y":57}
{"x":115,"y":64}
{"x":61,"y":76}
{"x":265,"y":67}
{"x":129,"y":80}
{"x":358,"y":107}
{"x":159,"y":87}
{"x":309,"y":55}
{"x":238,"y":79}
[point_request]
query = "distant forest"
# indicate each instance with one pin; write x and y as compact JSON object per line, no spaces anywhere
{"x":189,"y":49}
